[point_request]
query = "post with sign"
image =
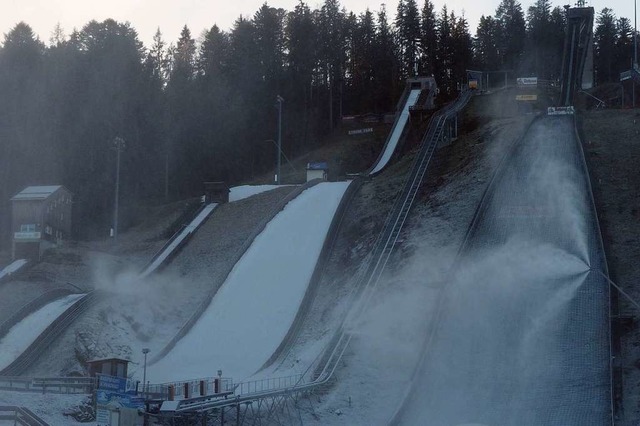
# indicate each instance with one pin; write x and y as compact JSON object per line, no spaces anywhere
{"x":117,"y":402}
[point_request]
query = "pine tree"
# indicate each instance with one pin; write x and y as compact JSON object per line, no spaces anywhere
{"x":462,"y":49}
{"x":332,"y":53}
{"x":605,"y":46}
{"x":429,"y":39}
{"x":408,"y":36}
{"x":269,"y":32}
{"x":623,"y":56}
{"x":511,"y":33}
{"x":445,"y":52}
{"x":385,"y":65}
{"x":485,"y":44}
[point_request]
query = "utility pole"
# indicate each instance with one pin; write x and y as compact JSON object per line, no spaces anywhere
{"x":280,"y":100}
{"x":145,"y":351}
{"x":635,"y":50}
{"x":119,"y":145}
{"x":635,"y":34}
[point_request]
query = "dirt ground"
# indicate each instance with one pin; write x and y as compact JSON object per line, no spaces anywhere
{"x":611,"y":139}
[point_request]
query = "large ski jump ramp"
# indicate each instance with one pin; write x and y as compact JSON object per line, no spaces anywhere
{"x":396,"y":132}
{"x":522,"y":332}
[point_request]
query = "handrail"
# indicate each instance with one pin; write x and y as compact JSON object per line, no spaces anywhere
{"x":60,"y":385}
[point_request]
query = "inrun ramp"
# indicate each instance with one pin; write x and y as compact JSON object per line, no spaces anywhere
{"x":179,"y":239}
{"x":396,"y":132}
{"x":522,"y":334}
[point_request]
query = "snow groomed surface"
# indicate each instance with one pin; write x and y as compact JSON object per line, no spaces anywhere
{"x":12,"y":268}
{"x":398,"y":128}
{"x":254,"y":309}
{"x":166,"y":252}
{"x":522,"y":333}
{"x":23,"y":334}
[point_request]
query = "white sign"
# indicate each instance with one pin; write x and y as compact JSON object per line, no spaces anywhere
{"x":361,"y":131}
{"x":527,"y":81}
{"x":26,"y":235}
{"x":103,"y":418}
{"x":561,"y":110}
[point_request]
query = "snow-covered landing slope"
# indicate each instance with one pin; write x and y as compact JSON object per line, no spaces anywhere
{"x":257,"y":304}
{"x":23,"y":334}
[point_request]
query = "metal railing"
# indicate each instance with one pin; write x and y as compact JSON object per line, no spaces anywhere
{"x":268,"y":384}
{"x":60,"y":385}
{"x":20,"y":416}
{"x":198,"y":387}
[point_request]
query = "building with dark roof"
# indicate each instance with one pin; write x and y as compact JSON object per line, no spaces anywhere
{"x":40,"y":219}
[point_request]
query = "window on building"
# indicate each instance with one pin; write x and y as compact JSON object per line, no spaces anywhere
{"x":31,"y":227}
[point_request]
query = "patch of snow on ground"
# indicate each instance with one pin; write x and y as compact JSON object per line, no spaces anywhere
{"x":21,"y":335}
{"x":245,"y":191}
{"x":255,"y":307}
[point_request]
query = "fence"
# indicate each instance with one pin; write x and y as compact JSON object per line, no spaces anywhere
{"x":63,"y":385}
{"x":20,"y":416}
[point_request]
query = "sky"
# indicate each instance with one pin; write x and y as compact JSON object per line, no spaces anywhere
{"x":171,"y":15}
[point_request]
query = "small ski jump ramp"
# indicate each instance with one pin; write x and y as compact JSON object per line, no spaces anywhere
{"x":177,"y":242}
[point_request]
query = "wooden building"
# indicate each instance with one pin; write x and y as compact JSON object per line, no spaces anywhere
{"x":41,"y":218}
{"x":116,"y":367}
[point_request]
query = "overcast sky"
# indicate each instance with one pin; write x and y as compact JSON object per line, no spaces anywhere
{"x":171,"y":15}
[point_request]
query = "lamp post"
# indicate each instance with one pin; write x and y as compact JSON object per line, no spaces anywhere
{"x":119,"y":145}
{"x":145,"y":351}
{"x":280,"y":100}
{"x":635,"y":34}
{"x":635,"y":53}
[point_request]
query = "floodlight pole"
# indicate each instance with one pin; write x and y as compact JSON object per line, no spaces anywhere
{"x":119,"y":145}
{"x":280,"y":100}
{"x":635,"y":34}
{"x":145,"y":351}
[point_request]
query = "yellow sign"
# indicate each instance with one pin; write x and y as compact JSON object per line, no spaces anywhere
{"x":526,"y":97}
